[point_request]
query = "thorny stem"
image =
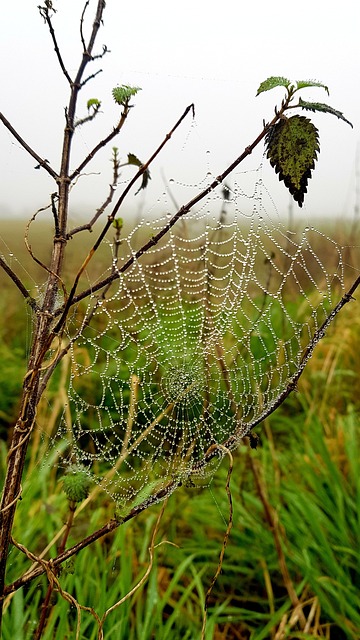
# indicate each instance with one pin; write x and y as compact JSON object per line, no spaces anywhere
{"x":42,"y":335}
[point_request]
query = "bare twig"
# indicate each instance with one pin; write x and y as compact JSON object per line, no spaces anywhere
{"x":45,"y":13}
{"x":98,"y":56}
{"x":42,"y":336}
{"x":105,"y":204}
{"x":16,"y":280}
{"x":110,"y":220}
{"x":41,"y":162}
{"x":154,"y":240}
{"x":82,"y":25}
{"x":101,"y":144}
{"x":93,"y":75}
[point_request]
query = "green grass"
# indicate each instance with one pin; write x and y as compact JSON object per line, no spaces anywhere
{"x":309,"y":467}
{"x":313,"y":484}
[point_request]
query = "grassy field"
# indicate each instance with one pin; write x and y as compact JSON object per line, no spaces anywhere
{"x":292,"y":563}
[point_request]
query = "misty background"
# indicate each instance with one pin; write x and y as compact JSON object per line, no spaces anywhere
{"x":214,"y":55}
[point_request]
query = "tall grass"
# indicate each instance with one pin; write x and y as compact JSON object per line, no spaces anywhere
{"x":313,"y":484}
{"x":308,"y":467}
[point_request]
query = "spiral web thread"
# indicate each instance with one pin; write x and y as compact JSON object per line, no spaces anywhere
{"x":193,"y":344}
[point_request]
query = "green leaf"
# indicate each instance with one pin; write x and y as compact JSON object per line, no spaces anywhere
{"x":123,"y":93}
{"x":93,"y":102}
{"x":302,"y":84}
{"x":324,"y":108}
{"x":292,"y":145}
{"x":272,"y":82}
{"x":132,"y":159}
{"x":118,"y":223}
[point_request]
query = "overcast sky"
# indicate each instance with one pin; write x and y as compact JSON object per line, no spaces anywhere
{"x":212,"y":54}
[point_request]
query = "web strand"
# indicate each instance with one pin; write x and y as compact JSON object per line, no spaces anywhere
{"x":194,"y":343}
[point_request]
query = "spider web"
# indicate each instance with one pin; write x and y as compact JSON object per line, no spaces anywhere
{"x":193,"y":344}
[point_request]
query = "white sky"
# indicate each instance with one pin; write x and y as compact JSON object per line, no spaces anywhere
{"x":212,"y":54}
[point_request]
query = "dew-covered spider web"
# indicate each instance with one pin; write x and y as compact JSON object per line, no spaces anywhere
{"x":193,"y":344}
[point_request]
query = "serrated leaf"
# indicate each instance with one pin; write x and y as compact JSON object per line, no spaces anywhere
{"x":132,"y":159}
{"x":123,"y":93}
{"x":324,"y":108}
{"x":145,"y":180}
{"x":272,"y":82}
{"x":302,"y":84}
{"x":292,"y":146}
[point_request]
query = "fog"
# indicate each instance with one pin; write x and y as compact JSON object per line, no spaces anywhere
{"x":214,"y":56}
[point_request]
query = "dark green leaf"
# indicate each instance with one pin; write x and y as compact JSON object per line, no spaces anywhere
{"x":302,"y":84}
{"x":324,"y":108}
{"x":273,"y":81}
{"x":292,"y":145}
{"x":132,"y":159}
{"x":145,"y":179}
